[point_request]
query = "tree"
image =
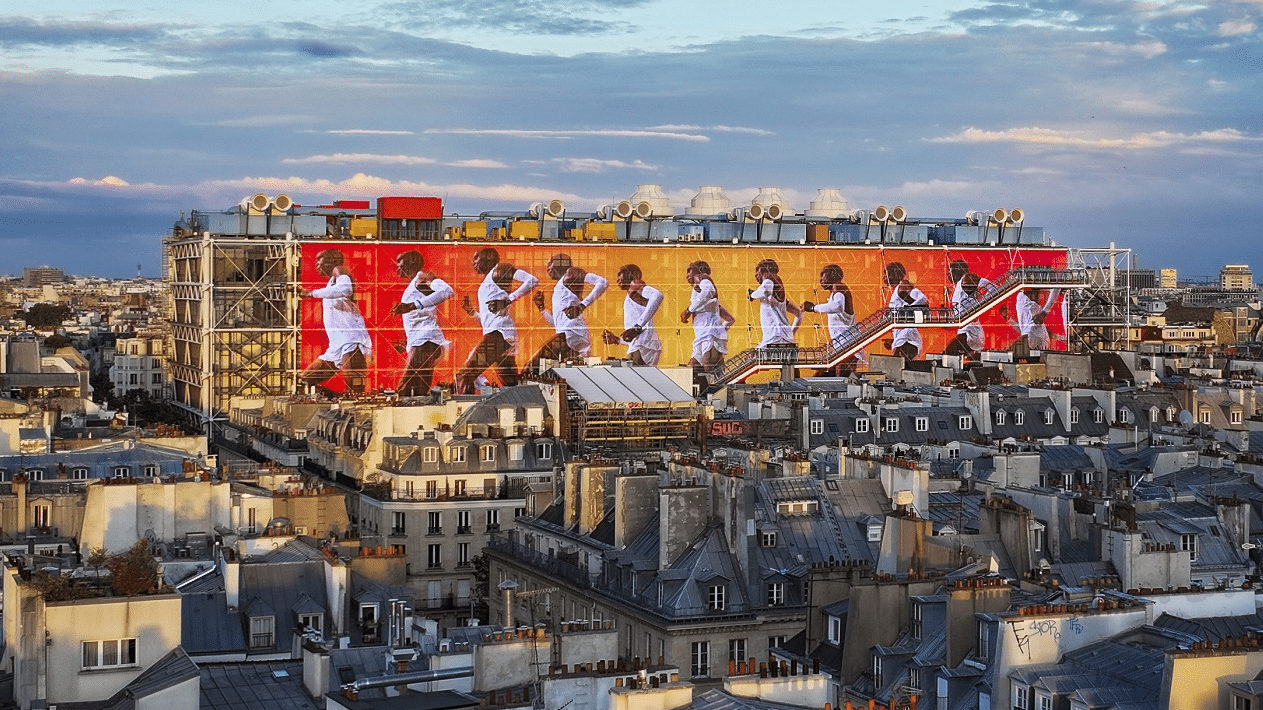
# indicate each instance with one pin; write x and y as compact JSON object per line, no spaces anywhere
{"x":47,"y":315}
{"x":57,"y":341}
{"x":478,"y":607}
{"x":135,"y":571}
{"x":102,"y":386}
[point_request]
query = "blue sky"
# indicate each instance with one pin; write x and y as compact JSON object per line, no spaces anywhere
{"x":1139,"y":123}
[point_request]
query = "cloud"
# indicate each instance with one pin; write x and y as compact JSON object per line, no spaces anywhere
{"x":596,"y":165}
{"x":18,"y":31}
{"x":344,"y":158}
{"x":324,"y":50}
{"x":1053,"y":138}
{"x":476,"y":163}
{"x":565,"y":134}
{"x":368,"y":132}
{"x":588,"y":17}
{"x":716,"y":129}
{"x":262,"y":121}
{"x":1232,"y":28}
{"x":108,"y":180}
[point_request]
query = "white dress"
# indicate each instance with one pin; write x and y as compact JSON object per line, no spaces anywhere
{"x":575,"y":329}
{"x":500,"y":322}
{"x":1027,"y":309}
{"x":343,"y":322}
{"x":422,"y":325}
{"x":709,"y":332}
{"x":773,"y":316}
{"x":648,"y":344}
{"x":908,"y":335}
{"x":841,"y":323}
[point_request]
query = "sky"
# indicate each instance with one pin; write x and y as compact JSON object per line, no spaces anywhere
{"x":1138,"y":123}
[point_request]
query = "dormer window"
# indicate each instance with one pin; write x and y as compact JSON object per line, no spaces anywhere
{"x":817,"y":426}
{"x":1048,"y":417}
{"x":966,"y":422}
{"x":1074,"y":415}
{"x":715,"y":597}
{"x":861,"y":426}
{"x":1098,"y":415}
{"x":1019,"y":418}
{"x":923,"y":423}
{"x":1153,"y":415}
{"x":430,"y":454}
{"x":767,"y":538}
{"x":892,"y":424}
{"x":999,"y":417}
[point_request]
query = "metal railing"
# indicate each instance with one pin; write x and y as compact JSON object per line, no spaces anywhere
{"x":878,"y":323}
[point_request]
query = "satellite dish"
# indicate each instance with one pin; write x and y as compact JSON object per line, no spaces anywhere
{"x":1186,"y":417}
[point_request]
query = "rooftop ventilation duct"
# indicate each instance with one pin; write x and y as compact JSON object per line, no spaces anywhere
{"x":1016,"y":215}
{"x":649,"y":201}
{"x":281,"y":203}
{"x":772,"y":203}
{"x":623,"y":209}
{"x":709,"y":200}
{"x":829,"y":204}
{"x":898,"y":214}
{"x":257,"y":204}
{"x":999,"y":215}
{"x":880,"y":214}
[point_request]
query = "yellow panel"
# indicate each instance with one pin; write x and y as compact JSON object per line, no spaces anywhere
{"x":363,"y":226}
{"x":524,"y":230}
{"x":476,"y":230}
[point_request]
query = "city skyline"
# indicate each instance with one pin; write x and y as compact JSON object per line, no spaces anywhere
{"x":1105,"y":123}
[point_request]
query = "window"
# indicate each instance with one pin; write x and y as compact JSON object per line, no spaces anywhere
{"x":462,"y":554}
{"x":874,"y":532}
{"x":41,"y":516}
{"x":817,"y":426}
{"x":775,"y":641}
{"x":1074,"y":415}
{"x":459,"y":487}
{"x":122,"y":472}
{"x":835,"y":630}
{"x":430,"y":454}
{"x":1241,"y":703}
{"x":999,"y":417}
{"x":1098,"y":415}
{"x":544,"y":450}
{"x":79,"y":473}
{"x":776,"y":594}
{"x":915,"y":626}
{"x":262,"y":631}
{"x":1188,"y":543}
{"x":715,"y":597}
{"x":1153,"y":414}
{"x":1234,"y":417}
{"x":488,"y":453}
{"x":1203,"y":415}
{"x":914,"y":677}
{"x":877,"y":678}
{"x":1045,"y":702}
{"x":114,"y":653}
{"x":493,"y":520}
{"x":434,"y":556}
{"x":767,"y":538}
{"x":923,"y":423}
{"x":313,"y":622}
{"x":434,"y":522}
{"x":34,"y":474}
{"x":1048,"y":416}
{"x":966,"y":421}
{"x":984,"y":646}
{"x":1170,"y":414}
{"x":1021,"y":697}
{"x":457,"y":454}
{"x":517,"y":452}
{"x":700,"y":659}
{"x":891,"y":424}
{"x":1040,"y":537}
{"x":156,"y":378}
{"x":737,"y":650}
{"x":431,"y":489}
{"x":462,"y":522}
{"x":953,"y":453}
{"x":861,"y":426}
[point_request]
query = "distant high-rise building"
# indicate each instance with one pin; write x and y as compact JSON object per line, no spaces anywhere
{"x":1236,"y":277}
{"x":35,"y":276}
{"x":1167,"y":279}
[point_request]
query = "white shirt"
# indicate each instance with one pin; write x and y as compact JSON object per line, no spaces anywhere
{"x":648,"y":344}
{"x":708,"y":328}
{"x":422,"y":325}
{"x":773,"y":316}
{"x":907,"y":335}
{"x":575,"y":329}
{"x":963,"y":302}
{"x":343,"y":322}
{"x":1027,"y":309}
{"x":488,"y":291}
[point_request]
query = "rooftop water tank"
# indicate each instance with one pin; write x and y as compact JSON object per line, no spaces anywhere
{"x":649,"y":201}
{"x":710,"y":200}
{"x":829,"y":203}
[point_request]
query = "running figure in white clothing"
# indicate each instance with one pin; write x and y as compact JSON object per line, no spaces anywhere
{"x":774,"y":307}
{"x":1030,"y":319}
{"x":969,"y":288}
{"x":840,"y":312}
{"x":499,"y":333}
{"x":710,"y":319}
{"x":905,"y":342}
{"x":349,"y":342}
{"x":419,"y":307}
{"x":572,"y":340}
{"x":644,"y":347}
